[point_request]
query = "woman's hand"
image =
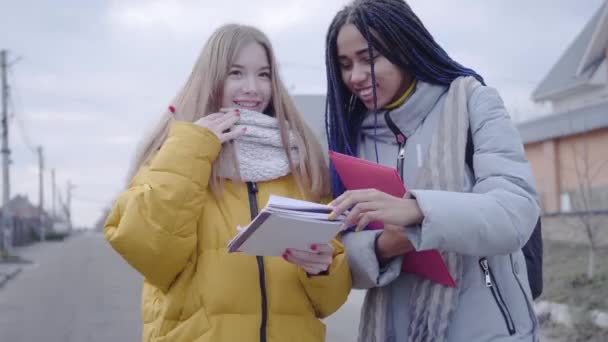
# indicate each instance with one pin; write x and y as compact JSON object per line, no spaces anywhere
{"x":315,"y":261}
{"x":221,"y":124}
{"x":391,"y":243}
{"x":372,"y":205}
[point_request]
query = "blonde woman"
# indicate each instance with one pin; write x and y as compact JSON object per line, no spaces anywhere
{"x":235,"y":137}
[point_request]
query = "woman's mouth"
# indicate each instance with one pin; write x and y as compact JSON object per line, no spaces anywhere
{"x":248,"y":104}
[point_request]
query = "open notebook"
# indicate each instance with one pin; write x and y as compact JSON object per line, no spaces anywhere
{"x":286,"y":223}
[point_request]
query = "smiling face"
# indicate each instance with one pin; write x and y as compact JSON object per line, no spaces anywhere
{"x":248,"y":84}
{"x":355,"y":67}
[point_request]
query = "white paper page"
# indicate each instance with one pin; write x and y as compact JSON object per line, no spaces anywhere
{"x":303,"y":214}
{"x":279,"y":233}
{"x":290,"y":203}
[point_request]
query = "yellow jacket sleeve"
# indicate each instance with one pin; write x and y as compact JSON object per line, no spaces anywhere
{"x":153,"y":224}
{"x":328,"y":292}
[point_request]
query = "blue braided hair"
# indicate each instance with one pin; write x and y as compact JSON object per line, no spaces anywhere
{"x":394,"y":30}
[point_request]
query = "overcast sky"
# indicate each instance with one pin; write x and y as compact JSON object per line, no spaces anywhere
{"x":94,"y":75}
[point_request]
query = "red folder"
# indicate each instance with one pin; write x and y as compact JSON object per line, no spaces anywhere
{"x":356,"y":173}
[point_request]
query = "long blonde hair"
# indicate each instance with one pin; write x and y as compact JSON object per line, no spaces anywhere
{"x":202,"y":95}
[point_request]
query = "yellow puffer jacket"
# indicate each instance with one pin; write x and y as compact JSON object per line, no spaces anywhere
{"x":171,"y":229}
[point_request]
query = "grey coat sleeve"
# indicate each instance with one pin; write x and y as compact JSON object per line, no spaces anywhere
{"x":364,"y":265}
{"x":500,"y":213}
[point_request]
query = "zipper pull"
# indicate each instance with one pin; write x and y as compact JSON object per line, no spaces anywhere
{"x":401,"y":141}
{"x":252,"y":188}
{"x":483,"y":262}
{"x":402,"y":152}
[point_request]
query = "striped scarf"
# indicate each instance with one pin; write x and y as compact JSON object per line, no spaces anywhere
{"x":430,"y":304}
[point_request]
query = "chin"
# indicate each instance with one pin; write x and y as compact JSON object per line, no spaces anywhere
{"x":381,"y":104}
{"x":371,"y":106}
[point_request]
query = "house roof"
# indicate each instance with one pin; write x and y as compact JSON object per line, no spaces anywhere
{"x":20,"y":206}
{"x":564,"y":124}
{"x":578,"y":63}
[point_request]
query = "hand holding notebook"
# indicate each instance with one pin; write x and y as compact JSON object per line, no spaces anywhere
{"x":286,"y":223}
{"x":355,"y":174}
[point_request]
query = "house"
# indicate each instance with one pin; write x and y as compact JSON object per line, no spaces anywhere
{"x":25,"y":220}
{"x":567,"y":148}
{"x":22,"y":208}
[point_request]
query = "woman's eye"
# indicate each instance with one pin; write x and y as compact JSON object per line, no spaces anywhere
{"x":265,"y":74}
{"x":235,"y":73}
{"x":367,"y":60}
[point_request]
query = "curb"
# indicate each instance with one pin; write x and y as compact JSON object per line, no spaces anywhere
{"x":568,"y":316}
{"x":5,"y":277}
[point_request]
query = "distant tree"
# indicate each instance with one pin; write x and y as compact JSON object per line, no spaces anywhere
{"x":585,"y":200}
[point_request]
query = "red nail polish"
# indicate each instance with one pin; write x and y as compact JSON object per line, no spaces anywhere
{"x":284,"y":256}
{"x":287,"y":252}
{"x":172,"y":109}
{"x":314,"y":247}
{"x":245,"y":129}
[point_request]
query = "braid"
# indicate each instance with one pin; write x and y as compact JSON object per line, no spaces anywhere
{"x":394,"y":30}
{"x":335,"y":125}
{"x":408,"y":36}
{"x":370,"y":51}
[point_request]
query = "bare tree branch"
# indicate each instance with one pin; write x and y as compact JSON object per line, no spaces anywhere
{"x":585,"y":173}
{"x":603,"y":164}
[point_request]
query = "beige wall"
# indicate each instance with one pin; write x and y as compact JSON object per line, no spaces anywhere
{"x":589,"y":154}
{"x":542,"y":160}
{"x":554,"y":165}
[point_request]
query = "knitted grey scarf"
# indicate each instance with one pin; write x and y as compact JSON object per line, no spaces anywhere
{"x":431,"y":304}
{"x":260,"y":151}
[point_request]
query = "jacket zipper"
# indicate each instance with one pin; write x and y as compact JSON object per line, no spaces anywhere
{"x":252,"y":189}
{"x":400,"y":159}
{"x":528,"y":301}
{"x":493,"y":286}
{"x":401,"y":141}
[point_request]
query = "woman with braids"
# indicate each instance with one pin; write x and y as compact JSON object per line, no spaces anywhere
{"x":395,"y":97}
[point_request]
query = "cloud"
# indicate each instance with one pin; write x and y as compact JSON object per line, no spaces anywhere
{"x":63,"y":117}
{"x":193,"y":17}
{"x":94,"y":76}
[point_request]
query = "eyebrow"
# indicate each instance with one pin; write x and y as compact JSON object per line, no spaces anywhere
{"x":358,"y":53}
{"x":242,"y":67}
{"x":364,"y":50}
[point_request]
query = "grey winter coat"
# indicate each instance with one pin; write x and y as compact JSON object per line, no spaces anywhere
{"x":492,"y":221}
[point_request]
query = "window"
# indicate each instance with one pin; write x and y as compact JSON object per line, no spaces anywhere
{"x":565,"y":203}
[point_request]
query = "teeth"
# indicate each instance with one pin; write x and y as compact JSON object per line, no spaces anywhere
{"x":247,"y":104}
{"x":366,"y":92}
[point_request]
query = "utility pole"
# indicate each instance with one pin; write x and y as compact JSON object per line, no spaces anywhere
{"x":54,"y":195}
{"x":6,"y":212}
{"x":69,"y":205}
{"x":41,"y":194}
